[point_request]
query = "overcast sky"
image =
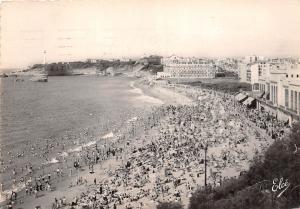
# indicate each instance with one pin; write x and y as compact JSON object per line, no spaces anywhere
{"x":76,"y":30}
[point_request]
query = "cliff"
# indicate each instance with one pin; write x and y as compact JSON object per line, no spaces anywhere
{"x":101,"y":67}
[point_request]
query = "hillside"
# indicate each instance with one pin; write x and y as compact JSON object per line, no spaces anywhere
{"x":255,"y":188}
{"x":104,"y":67}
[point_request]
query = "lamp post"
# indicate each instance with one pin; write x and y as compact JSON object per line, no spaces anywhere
{"x":44,"y":62}
{"x":205,"y":166}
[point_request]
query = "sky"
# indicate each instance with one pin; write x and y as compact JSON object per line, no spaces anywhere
{"x":80,"y":29}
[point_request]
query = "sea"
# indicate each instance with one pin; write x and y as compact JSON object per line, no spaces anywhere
{"x":32,"y":112}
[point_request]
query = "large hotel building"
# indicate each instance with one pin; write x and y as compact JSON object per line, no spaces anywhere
{"x":178,"y":67}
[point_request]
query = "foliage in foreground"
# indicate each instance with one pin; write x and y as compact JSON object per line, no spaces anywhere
{"x":169,"y":205}
{"x":253,"y":190}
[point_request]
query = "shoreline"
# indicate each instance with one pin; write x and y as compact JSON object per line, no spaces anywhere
{"x":150,"y":95}
{"x":61,"y":145}
{"x":159,"y":95}
{"x":56,"y":159}
{"x":144,"y":96}
{"x":166,"y":95}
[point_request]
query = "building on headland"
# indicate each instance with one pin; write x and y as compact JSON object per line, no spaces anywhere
{"x":151,"y":60}
{"x":280,"y":85}
{"x":59,"y":69}
{"x":178,"y":67}
{"x":92,"y":61}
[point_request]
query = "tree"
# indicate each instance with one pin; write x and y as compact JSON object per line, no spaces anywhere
{"x":169,"y":205}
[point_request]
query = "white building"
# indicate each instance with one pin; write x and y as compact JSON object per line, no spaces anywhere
{"x":178,"y":67}
{"x":256,"y":71}
{"x":248,"y":69}
{"x":249,"y":73}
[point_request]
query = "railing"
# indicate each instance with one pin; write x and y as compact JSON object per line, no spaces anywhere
{"x":283,"y":107}
{"x":291,"y":110}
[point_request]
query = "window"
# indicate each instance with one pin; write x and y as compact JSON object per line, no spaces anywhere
{"x":271,"y":93}
{"x":296,"y":102}
{"x":276,"y":89}
{"x":259,"y":71}
{"x":292,"y":99}
{"x":297,"y":75}
{"x":299,"y":101}
{"x":292,"y":75}
{"x":287,"y":75}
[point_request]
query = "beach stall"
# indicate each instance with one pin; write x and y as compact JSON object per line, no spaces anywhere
{"x":249,"y":102}
{"x":240,"y":97}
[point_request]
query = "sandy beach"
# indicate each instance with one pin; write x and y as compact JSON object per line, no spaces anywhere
{"x":166,"y":96}
{"x":112,"y":161}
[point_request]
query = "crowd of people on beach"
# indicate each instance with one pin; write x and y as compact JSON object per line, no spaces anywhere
{"x":166,"y":160}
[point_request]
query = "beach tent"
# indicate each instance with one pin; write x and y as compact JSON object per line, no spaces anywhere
{"x":266,"y":95}
{"x":249,"y":102}
{"x":240,"y":97}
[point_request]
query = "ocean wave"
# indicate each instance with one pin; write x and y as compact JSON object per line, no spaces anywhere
{"x":109,"y":135}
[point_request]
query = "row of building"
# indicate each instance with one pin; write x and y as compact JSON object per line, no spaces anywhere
{"x":180,"y":67}
{"x":278,"y":83}
{"x":276,"y":80}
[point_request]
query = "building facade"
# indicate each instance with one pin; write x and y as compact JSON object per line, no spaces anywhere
{"x":256,"y":71}
{"x":177,"y":67}
{"x":249,"y":68}
{"x":280,"y":84}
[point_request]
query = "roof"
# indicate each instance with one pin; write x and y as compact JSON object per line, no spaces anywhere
{"x":240,"y":97}
{"x":249,"y":101}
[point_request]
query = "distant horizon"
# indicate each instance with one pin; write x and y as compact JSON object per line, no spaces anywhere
{"x":78,"y":30}
{"x":141,"y":56}
{"x":8,"y":69}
